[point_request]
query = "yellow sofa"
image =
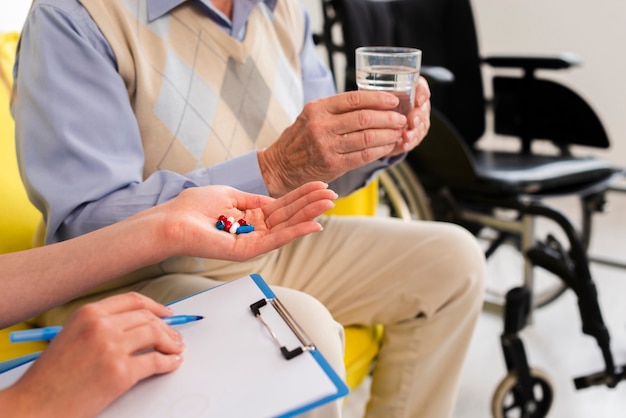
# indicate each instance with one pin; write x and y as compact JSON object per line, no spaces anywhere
{"x":20,"y":219}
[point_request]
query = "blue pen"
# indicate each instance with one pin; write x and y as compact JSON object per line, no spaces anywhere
{"x":181,"y":319}
{"x":48,"y":333}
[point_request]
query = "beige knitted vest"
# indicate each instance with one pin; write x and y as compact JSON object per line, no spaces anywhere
{"x":201,"y":97}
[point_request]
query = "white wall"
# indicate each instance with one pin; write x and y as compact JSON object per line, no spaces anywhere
{"x":593,"y":30}
{"x":12,"y":14}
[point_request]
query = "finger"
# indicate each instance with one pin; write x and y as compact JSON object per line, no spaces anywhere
{"x":131,"y":301}
{"x":304,"y":209}
{"x":251,"y":246}
{"x":366,"y":119}
{"x":244,"y":201}
{"x":413,"y":137}
{"x":293,"y":196}
{"x":254,"y":216}
{"x":361,"y":99}
{"x":368,"y":155}
{"x":128,"y":321}
{"x":370,"y":138}
{"x":151,"y":363}
{"x":422,"y":92}
{"x":284,"y":210}
{"x":153,"y":335}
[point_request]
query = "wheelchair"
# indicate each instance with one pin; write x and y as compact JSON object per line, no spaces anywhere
{"x":497,"y":194}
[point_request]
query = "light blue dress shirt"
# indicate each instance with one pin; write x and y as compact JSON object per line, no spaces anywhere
{"x":79,"y":145}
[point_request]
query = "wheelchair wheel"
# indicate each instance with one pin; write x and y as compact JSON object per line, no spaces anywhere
{"x":508,"y":400}
{"x":548,"y":238}
{"x":506,"y":269}
{"x":402,"y":195}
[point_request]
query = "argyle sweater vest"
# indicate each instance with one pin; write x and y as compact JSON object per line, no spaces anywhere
{"x":200,"y":96}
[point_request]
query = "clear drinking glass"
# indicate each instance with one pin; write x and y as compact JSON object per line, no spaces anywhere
{"x":392,"y":69}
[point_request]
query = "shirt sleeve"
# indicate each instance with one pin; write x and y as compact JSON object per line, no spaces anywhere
{"x":79,"y":144}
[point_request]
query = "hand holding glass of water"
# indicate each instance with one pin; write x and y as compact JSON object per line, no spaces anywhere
{"x":392,"y":69}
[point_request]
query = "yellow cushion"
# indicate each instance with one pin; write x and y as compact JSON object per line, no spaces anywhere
{"x":362,"y":202}
{"x":9,"y":351}
{"x":19,"y":217}
{"x":362,"y":344}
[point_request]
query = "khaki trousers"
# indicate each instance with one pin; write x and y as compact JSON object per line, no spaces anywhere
{"x":422,"y":280}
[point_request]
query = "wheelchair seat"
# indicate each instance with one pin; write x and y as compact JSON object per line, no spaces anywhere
{"x":443,"y":159}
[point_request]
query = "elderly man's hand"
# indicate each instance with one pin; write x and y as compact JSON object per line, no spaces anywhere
{"x":335,"y":135}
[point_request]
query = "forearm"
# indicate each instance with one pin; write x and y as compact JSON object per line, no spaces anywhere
{"x":48,"y":276}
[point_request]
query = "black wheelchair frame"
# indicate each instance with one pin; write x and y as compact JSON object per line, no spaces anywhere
{"x":449,"y":178}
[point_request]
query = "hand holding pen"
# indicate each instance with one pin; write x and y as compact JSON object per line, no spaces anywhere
{"x":103,"y":350}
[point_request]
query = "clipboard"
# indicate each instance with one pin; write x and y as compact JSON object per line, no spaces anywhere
{"x":247,"y":358}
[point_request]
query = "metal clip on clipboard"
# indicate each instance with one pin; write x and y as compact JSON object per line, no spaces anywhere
{"x":307,"y":344}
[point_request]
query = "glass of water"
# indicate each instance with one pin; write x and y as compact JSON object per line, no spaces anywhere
{"x":392,"y":69}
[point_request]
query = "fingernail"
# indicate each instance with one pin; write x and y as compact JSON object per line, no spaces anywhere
{"x":400,"y":118}
{"x":392,"y":99}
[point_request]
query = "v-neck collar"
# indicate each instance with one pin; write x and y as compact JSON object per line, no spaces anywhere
{"x":235,"y":28}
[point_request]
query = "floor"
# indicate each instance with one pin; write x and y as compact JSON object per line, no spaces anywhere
{"x":554,"y":341}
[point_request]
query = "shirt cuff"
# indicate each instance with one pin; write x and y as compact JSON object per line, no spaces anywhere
{"x":242,"y":173}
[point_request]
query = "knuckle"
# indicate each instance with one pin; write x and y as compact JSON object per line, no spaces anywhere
{"x":161,"y":363}
{"x":150,"y":318}
{"x":368,"y":138}
{"x":363,"y":119}
{"x":154,"y":331}
{"x":119,"y":371}
{"x":135,"y":297}
{"x":366,"y":154}
{"x":87,"y":311}
{"x":98,"y":326}
{"x":353,"y":98}
{"x":315,"y":128}
{"x":308,"y":114}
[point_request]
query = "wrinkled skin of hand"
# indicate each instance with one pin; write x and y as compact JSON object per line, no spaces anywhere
{"x":340,"y":133}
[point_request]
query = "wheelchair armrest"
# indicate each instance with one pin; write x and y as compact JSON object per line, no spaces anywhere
{"x":530,"y":63}
{"x":436,"y":74}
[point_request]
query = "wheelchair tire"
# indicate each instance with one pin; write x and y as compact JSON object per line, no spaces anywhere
{"x":507,"y":400}
{"x":403,"y":195}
